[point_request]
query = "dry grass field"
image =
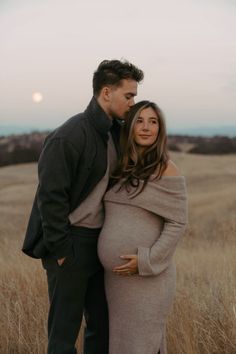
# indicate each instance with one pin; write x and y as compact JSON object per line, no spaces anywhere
{"x":203,"y":319}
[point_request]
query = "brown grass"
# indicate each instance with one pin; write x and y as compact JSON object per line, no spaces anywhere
{"x":203,"y":319}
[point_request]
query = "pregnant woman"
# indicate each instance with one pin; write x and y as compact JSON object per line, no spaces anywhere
{"x":146,"y":214}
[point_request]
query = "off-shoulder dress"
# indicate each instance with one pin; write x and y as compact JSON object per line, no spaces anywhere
{"x":150,"y":225}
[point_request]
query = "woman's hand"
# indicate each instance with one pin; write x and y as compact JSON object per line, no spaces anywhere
{"x":128,"y":268}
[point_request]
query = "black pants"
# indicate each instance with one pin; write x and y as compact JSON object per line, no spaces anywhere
{"x":77,"y":287}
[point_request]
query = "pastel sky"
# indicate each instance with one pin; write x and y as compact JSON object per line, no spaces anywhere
{"x":186,"y":48}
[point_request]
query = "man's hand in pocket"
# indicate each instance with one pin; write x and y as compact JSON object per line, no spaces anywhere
{"x":61,"y":261}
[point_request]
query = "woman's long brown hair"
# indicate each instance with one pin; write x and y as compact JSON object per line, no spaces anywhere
{"x":136,"y":164}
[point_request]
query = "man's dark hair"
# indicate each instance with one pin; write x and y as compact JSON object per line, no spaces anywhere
{"x":111,"y":72}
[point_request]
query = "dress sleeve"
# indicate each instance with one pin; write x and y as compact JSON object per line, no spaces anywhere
{"x":154,"y":260}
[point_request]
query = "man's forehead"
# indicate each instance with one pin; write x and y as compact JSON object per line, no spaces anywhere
{"x":129,"y":85}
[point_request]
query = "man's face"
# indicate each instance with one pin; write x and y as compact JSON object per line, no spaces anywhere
{"x":121,"y":98}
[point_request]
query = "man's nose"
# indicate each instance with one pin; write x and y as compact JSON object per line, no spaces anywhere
{"x":131,"y":102}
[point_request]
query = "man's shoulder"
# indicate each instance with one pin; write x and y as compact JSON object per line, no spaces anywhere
{"x":73,"y":130}
{"x":72,"y":126}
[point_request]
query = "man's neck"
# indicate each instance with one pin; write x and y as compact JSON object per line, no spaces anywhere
{"x":103,"y":106}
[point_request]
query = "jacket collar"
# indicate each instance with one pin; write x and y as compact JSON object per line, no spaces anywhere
{"x":98,"y":117}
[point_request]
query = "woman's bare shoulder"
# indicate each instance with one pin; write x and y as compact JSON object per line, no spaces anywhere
{"x":171,"y":169}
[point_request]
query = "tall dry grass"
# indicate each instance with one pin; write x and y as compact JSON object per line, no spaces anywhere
{"x":203,"y":318}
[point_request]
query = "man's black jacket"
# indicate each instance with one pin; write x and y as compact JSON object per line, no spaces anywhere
{"x":72,"y":162}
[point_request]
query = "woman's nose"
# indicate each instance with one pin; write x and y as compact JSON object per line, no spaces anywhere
{"x":145,"y":126}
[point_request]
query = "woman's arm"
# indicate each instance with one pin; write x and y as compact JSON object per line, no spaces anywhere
{"x":154,"y":260}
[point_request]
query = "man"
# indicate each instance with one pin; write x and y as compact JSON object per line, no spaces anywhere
{"x":67,"y":213}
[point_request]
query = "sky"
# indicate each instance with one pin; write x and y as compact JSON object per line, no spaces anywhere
{"x":186,"y":48}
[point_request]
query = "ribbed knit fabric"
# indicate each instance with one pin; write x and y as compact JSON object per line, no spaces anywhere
{"x":150,"y":225}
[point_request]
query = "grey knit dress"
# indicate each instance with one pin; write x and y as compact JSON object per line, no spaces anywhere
{"x":150,"y":225}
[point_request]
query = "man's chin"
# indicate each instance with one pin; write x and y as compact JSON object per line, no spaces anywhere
{"x":121,"y":118}
{"x":115,"y":116}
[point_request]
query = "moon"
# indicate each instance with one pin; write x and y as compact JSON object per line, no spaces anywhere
{"x":37,"y":97}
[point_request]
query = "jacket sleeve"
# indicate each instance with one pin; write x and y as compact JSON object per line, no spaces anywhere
{"x":154,"y":260}
{"x":56,"y":169}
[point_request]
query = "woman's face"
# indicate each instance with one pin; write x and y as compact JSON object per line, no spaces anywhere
{"x":146,"y":128}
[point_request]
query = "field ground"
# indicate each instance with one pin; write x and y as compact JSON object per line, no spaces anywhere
{"x":203,"y":319}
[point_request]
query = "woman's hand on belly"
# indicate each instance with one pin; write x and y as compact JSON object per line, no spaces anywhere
{"x":128,"y":268}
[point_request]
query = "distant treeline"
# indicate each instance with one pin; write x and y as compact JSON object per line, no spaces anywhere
{"x":15,"y":149}
{"x":216,"y":145}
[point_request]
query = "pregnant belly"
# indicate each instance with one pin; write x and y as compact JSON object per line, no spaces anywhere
{"x":125,"y":229}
